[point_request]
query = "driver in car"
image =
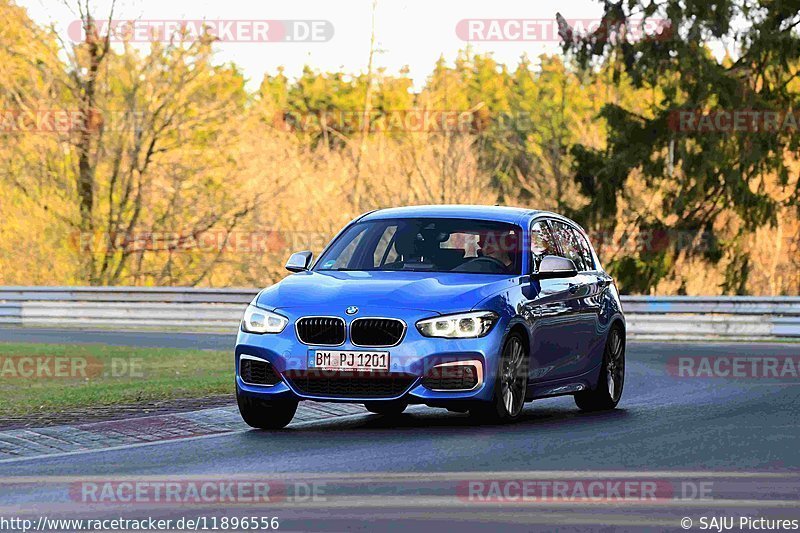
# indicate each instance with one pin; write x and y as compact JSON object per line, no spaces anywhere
{"x":501,"y":247}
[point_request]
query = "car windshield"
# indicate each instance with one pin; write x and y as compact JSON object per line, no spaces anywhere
{"x":427,"y":245}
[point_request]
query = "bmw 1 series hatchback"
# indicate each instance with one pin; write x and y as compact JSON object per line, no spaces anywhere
{"x":471,"y":308}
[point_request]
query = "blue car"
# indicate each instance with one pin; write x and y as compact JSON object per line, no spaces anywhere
{"x":470,"y":308}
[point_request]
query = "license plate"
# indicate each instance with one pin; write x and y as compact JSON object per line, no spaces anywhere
{"x":345,"y":360}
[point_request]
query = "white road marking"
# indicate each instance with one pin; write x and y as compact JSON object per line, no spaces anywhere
{"x":423,"y":476}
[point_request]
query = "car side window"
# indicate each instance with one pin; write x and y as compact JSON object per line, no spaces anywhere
{"x":586,"y":251}
{"x":570,"y":244}
{"x":542,"y":243}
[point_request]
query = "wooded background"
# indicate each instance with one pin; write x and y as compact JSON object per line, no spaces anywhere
{"x":123,"y":165}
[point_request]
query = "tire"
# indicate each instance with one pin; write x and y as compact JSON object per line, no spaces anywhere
{"x":510,"y":385}
{"x":263,"y":414}
{"x":608,"y":391}
{"x":391,"y":408}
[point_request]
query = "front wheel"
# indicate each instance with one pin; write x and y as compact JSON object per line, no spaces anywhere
{"x":608,"y":391}
{"x":510,"y":385}
{"x":263,"y":414}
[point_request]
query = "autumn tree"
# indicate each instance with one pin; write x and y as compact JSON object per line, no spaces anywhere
{"x":141,"y":169}
{"x":698,"y":174}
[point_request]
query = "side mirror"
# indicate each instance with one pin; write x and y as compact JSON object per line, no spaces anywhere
{"x":553,"y":267}
{"x":299,"y":261}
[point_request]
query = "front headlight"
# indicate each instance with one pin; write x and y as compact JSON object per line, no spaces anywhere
{"x":460,"y":326}
{"x":257,"y":320}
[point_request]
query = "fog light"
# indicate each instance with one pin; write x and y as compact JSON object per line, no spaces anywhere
{"x":454,"y":376}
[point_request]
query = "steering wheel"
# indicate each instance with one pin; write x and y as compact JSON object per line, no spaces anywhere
{"x":485,"y":259}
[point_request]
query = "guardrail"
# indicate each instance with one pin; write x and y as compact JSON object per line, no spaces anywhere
{"x":664,"y":317}
{"x":124,"y":307}
{"x":687,"y":317}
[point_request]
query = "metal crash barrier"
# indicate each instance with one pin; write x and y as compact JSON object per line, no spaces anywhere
{"x":168,"y":308}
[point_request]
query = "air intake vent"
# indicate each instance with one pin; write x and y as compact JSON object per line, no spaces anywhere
{"x":257,"y":372}
{"x":376,"y":332}
{"x":452,"y":377}
{"x":356,"y":386}
{"x":321,"y":330}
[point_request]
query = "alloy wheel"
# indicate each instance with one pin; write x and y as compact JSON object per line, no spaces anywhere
{"x":513,"y":378}
{"x":615,"y":366}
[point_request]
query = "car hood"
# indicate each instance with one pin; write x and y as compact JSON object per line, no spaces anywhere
{"x":435,"y":292}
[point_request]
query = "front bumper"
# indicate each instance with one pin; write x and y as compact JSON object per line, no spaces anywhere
{"x":413,"y":357}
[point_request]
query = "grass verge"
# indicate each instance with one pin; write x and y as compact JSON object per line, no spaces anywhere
{"x":54,"y":377}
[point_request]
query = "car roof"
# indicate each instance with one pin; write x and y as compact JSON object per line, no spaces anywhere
{"x":477,"y":212}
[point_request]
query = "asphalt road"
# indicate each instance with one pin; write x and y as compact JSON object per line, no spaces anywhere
{"x":724,"y":447}
{"x":145,"y":339}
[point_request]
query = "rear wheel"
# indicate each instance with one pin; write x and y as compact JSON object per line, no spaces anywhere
{"x":264,"y":414}
{"x":510,"y":385}
{"x":386,"y":408}
{"x":608,"y":391}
